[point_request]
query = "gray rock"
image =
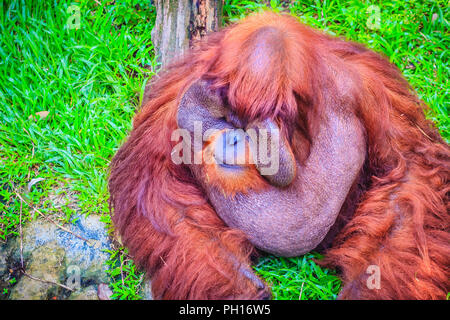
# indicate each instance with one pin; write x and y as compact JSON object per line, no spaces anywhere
{"x":88,"y":257}
{"x":80,"y":262}
{"x":146,"y":291}
{"x":88,"y":293}
{"x":3,"y":264}
{"x":45,"y":264}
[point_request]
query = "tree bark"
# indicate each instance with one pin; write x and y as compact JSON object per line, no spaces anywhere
{"x":179,"y":23}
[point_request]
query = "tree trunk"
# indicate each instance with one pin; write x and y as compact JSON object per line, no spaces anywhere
{"x":178,"y":23}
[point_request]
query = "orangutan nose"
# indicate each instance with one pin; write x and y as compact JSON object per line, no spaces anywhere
{"x":231,"y":148}
{"x":272,"y":153}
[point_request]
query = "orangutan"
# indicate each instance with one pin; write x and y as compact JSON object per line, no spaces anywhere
{"x":354,"y":168}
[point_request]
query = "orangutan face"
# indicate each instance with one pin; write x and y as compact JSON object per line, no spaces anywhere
{"x":253,"y":179}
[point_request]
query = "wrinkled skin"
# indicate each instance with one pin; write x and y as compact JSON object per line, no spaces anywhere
{"x":300,"y":203}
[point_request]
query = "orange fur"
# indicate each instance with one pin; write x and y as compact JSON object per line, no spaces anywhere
{"x":248,"y":178}
{"x":396,"y":217}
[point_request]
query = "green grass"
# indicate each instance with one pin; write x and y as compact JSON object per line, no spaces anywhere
{"x":90,"y":81}
{"x":298,"y":278}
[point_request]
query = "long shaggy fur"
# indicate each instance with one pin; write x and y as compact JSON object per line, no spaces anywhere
{"x":396,"y":216}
